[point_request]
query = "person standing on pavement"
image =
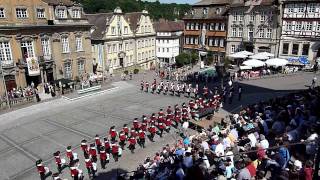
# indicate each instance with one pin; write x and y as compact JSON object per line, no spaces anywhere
{"x":230,"y":96}
{"x":239,"y":93}
{"x":313,"y":83}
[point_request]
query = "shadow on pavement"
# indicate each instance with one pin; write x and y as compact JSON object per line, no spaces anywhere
{"x":111,"y":175}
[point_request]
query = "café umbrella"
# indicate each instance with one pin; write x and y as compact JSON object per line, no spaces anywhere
{"x":254,"y":63}
{"x":277,"y":62}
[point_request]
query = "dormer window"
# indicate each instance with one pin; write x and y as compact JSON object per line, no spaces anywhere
{"x":2,"y":13}
{"x":40,"y":13}
{"x":76,"y":13}
{"x":21,"y":13}
{"x":61,"y":13}
{"x":218,"y":11}
{"x":205,"y":11}
{"x":192,"y":11}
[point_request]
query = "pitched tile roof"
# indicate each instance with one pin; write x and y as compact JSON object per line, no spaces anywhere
{"x":100,"y":24}
{"x":59,"y":2}
{"x":168,"y":26}
{"x":133,"y":19}
{"x":211,"y":2}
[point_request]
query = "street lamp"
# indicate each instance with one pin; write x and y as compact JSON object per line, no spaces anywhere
{"x":5,"y":86}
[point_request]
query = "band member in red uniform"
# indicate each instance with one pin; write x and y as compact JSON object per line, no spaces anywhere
{"x":93,"y":152}
{"x":160,"y":119}
{"x":205,"y":92}
{"x":113,"y":134}
{"x":76,"y":173}
{"x":98,"y":142}
{"x":133,"y":133}
{"x":107,"y":145}
{"x":135,"y":124}
{"x":143,"y":126}
{"x":142,"y":140}
{"x":152,"y":131}
{"x":89,"y":166}
{"x":125,"y":129}
{"x":169,"y":110}
{"x":153,"y":119}
{"x":132,"y":144}
{"x":115,"y":151}
{"x":177,"y":110}
{"x":147,"y":86}
{"x":161,"y":113}
{"x":69,"y":154}
{"x":168,"y":124}
{"x":141,"y":85}
{"x":161,"y":127}
{"x":122,"y":138}
{"x":84,"y":147}
{"x":177,"y":119}
{"x":58,"y":161}
{"x":41,"y":169}
{"x":153,"y":87}
{"x":104,"y":157}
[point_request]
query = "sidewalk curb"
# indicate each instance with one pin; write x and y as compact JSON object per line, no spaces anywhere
{"x":88,"y":95}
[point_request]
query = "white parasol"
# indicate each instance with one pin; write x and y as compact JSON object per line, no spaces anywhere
{"x":254,"y":63}
{"x":262,"y":55}
{"x":277,"y":62}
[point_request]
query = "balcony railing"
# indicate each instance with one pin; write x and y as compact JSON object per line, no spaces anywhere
{"x":7,"y":64}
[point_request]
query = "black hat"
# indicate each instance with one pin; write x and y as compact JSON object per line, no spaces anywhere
{"x":105,"y":139}
{"x":84,"y":141}
{"x":102,"y":148}
{"x":56,"y":153}
{"x":92,"y":145}
{"x":69,"y":147}
{"x":38,"y":162}
{"x":125,"y":125}
{"x":97,"y":135}
{"x":55,"y":175}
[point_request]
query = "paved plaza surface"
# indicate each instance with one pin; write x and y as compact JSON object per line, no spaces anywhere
{"x":37,"y":131}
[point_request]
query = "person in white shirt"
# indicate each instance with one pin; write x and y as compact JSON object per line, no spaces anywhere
{"x":264,"y":142}
{"x":219,"y":151}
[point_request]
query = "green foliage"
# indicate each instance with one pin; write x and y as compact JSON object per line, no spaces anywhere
{"x":135,"y":71}
{"x":156,"y":9}
{"x":182,"y":59}
{"x":194,"y":56}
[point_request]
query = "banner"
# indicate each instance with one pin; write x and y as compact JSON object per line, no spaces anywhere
{"x":33,"y":66}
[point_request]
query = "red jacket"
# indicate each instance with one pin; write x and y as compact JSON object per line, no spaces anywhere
{"x":113,"y":134}
{"x":168,"y":122}
{"x":133,"y":133}
{"x":103,"y":155}
{"x":132,"y":141}
{"x":143,"y":127}
{"x":69,"y":154}
{"x":107,"y":144}
{"x":98,"y":142}
{"x":135,"y":125}
{"x":115,"y":148}
{"x":177,"y":118}
{"x":84,"y":147}
{"x":93,"y":152}
{"x":125,"y":130}
{"x":122,"y":137}
{"x":41,"y":169}
{"x":58,"y":159}
{"x":152,"y":130}
{"x":88,"y":164}
{"x":142,"y":135}
{"x":74,"y":172}
{"x":161,"y":126}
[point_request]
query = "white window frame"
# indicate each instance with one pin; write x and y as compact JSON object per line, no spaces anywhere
{"x":65,"y":45}
{"x":252,"y":16}
{"x":41,"y":13}
{"x":309,"y":26}
{"x":76,"y":13}
{"x":318,"y":26}
{"x":5,"y":53}
{"x":298,"y":25}
{"x":67,"y":70}
{"x":233,"y":48}
{"x":235,"y":16}
{"x":216,"y":42}
{"x":240,"y":32}
{"x":22,"y":13}
{"x":234,"y":32}
{"x":2,"y":12}
{"x":312,"y":8}
{"x":290,"y":8}
{"x":269,"y":33}
{"x":289,"y":25}
{"x":61,"y":13}
{"x":263,"y":16}
{"x":30,"y":48}
{"x":79,"y":45}
{"x":46,"y":47}
{"x":81,"y":67}
{"x":261,"y":33}
{"x":301,"y":8}
{"x":221,"y":42}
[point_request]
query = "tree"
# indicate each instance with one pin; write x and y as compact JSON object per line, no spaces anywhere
{"x":182,"y":59}
{"x":156,"y":9}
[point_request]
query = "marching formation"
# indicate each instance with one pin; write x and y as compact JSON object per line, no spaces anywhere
{"x":129,"y":136}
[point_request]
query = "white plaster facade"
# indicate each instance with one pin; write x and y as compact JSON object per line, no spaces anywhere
{"x":300,"y":34}
{"x":168,"y":46}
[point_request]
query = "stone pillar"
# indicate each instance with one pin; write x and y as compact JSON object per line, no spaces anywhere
{"x":54,"y":71}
